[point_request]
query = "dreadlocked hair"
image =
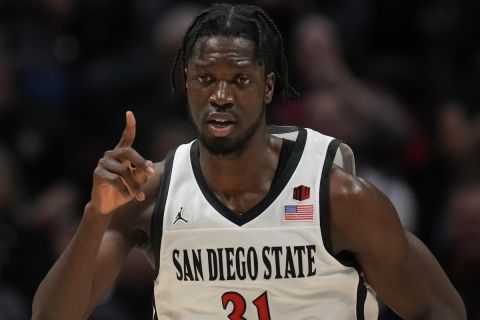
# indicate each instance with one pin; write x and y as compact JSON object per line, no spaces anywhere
{"x":246,"y":21}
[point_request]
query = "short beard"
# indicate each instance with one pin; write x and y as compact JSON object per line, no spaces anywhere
{"x":220,"y":146}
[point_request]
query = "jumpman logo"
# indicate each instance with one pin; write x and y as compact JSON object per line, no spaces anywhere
{"x":179,"y":217}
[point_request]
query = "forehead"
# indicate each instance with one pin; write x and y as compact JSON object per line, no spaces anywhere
{"x":238,"y":50}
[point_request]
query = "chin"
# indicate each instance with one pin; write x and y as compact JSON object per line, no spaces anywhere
{"x":227,"y":145}
{"x":220,"y":145}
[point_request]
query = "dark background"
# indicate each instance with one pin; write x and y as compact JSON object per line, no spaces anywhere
{"x":396,"y":80}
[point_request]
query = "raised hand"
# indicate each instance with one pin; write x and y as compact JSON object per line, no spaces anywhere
{"x":121,"y":173}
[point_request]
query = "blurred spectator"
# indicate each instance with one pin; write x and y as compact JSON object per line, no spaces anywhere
{"x":317,"y":56}
{"x":371,"y":73}
{"x":373,"y":120}
{"x":14,"y":303}
{"x":453,"y":157}
{"x":458,"y":140}
{"x":338,"y":103}
{"x":166,"y":36}
{"x":38,"y":232}
{"x":462,"y":243}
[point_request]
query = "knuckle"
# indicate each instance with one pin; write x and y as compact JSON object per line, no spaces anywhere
{"x":99,"y":173}
{"x":128,"y":151}
{"x":122,"y":151}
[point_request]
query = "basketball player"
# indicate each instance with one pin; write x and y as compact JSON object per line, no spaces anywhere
{"x":247,"y":222}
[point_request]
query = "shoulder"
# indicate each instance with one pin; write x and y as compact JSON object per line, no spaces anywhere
{"x":345,"y":186}
{"x":361,"y":215}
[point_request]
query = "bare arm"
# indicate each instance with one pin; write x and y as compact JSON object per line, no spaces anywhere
{"x":123,"y":188}
{"x":67,"y":291}
{"x":396,"y":264}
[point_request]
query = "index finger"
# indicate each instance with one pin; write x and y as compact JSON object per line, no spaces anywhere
{"x":128,"y":134}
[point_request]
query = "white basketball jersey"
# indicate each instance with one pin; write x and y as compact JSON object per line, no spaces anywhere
{"x":272,"y":262}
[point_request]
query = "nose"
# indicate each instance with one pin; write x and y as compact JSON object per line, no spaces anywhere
{"x":222,"y":95}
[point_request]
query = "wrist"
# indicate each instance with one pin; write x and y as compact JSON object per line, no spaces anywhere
{"x":93,"y":214}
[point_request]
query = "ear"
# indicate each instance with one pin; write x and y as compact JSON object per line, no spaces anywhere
{"x":269,"y":86}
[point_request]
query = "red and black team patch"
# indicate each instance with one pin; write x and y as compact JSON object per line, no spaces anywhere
{"x":301,"y":193}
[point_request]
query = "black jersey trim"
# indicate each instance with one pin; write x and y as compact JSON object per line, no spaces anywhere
{"x":361,"y":297}
{"x":154,"y":307}
{"x":156,"y":224}
{"x":275,"y":190}
{"x":325,"y":195}
{"x":346,"y":258}
{"x":287,"y":148}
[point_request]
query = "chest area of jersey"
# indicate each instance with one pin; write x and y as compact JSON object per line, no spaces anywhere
{"x":262,"y":254}
{"x":296,"y":205}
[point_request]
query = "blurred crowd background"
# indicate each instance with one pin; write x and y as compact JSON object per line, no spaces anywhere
{"x":397,"y":80}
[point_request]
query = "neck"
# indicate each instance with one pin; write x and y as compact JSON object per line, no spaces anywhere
{"x":250,"y":170}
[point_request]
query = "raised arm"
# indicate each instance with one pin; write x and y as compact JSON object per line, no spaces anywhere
{"x":123,"y":190}
{"x":397,"y":265}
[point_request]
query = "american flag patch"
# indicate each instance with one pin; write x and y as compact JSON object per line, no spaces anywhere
{"x":299,"y":212}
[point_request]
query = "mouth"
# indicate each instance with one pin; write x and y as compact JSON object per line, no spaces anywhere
{"x":220,"y":125}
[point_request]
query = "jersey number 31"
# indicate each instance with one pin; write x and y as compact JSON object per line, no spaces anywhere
{"x":239,"y":305}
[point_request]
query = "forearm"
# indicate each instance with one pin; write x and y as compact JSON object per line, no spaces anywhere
{"x":66,"y":290}
{"x":417,"y":288}
{"x":445,"y":312}
{"x":445,"y":302}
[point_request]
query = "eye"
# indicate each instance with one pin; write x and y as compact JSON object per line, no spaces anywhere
{"x":243,"y":80}
{"x":204,"y":78}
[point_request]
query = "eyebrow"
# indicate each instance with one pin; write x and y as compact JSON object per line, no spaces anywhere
{"x":240,"y":64}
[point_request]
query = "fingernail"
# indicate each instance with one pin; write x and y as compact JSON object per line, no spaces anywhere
{"x":141,"y":196}
{"x":151,"y":171}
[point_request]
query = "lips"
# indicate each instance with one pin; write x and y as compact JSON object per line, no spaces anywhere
{"x":220,"y":124}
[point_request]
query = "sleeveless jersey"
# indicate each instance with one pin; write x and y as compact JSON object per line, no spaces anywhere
{"x":273,"y":262}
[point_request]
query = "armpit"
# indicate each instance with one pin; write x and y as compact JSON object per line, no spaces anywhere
{"x":140,"y":239}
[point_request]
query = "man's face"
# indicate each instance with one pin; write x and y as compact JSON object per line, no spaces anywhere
{"x":227,"y":91}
